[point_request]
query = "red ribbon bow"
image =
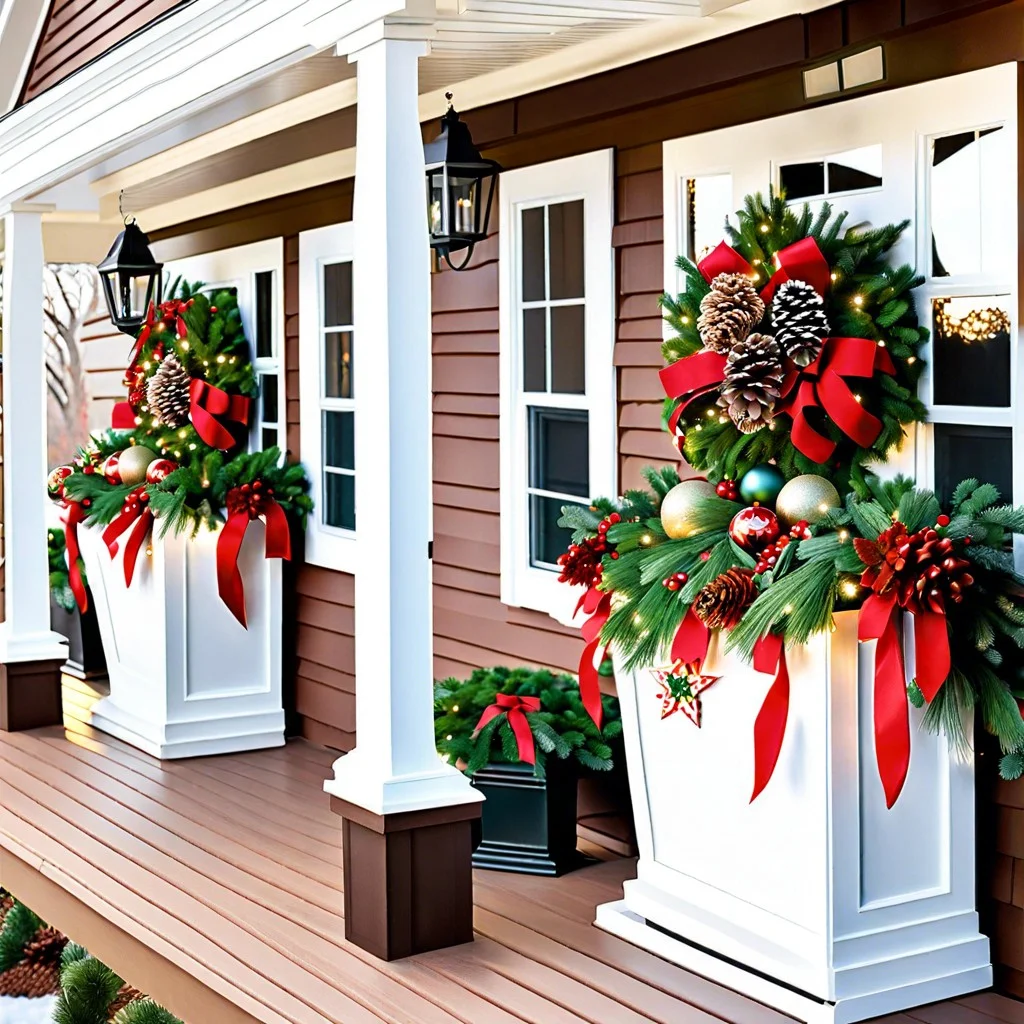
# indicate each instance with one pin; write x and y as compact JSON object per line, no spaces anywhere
{"x":217,"y":415}
{"x":136,"y":510}
{"x":72,"y":515}
{"x":822,"y":385}
{"x":246,"y":503}
{"x":598,"y":605}
{"x":516,"y":708}
{"x":801,"y":261}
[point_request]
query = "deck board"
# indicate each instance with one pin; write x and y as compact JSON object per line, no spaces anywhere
{"x":230,"y":869}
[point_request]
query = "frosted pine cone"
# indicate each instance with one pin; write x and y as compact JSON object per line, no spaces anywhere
{"x":168,"y":392}
{"x":721,"y":604}
{"x":753,"y":379}
{"x":798,"y":317}
{"x":729,"y":312}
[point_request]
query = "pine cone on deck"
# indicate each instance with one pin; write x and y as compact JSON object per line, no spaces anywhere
{"x":798,"y":317}
{"x":729,"y":312}
{"x":168,"y":392}
{"x":721,"y":604}
{"x":753,"y":379}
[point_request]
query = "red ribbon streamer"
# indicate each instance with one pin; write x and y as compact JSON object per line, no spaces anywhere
{"x":122,"y":417}
{"x":215,"y":412}
{"x":229,"y":543}
{"x":598,"y":605}
{"x":822,"y":385}
{"x":770,"y":724}
{"x":691,"y":640}
{"x":515,"y":708}
{"x":72,"y":515}
{"x":136,"y":510}
{"x":691,"y":378}
{"x":801,"y":261}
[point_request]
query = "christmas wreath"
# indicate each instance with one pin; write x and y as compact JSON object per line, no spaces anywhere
{"x":766,"y":549}
{"x":177,"y":451}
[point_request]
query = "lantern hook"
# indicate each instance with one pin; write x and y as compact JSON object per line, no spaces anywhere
{"x":120,"y":209}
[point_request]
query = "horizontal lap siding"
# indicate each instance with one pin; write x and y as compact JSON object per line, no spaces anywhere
{"x":104,"y":353}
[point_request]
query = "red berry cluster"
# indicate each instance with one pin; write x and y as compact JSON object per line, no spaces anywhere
{"x":675,"y":581}
{"x":728,"y":489}
{"x":770,"y":555}
{"x":581,"y":564}
{"x":250,"y":499}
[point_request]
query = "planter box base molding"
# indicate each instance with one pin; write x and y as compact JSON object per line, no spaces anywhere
{"x":814,"y":898}
{"x":186,"y":678}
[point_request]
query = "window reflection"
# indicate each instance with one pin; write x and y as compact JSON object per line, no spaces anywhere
{"x":708,"y":205}
{"x":971,"y":351}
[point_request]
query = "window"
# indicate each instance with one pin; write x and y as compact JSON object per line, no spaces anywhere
{"x":557,"y":375}
{"x":327,"y":410}
{"x":856,"y":170}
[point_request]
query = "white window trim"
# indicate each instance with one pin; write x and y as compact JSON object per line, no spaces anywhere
{"x":237,"y":268}
{"x":589,"y":177}
{"x":327,"y":546}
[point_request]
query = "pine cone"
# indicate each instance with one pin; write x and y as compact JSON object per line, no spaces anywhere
{"x":126,"y":995}
{"x":30,"y":980}
{"x":168,"y":392}
{"x":798,"y":317}
{"x":45,"y":947}
{"x":729,"y":312}
{"x":753,"y":379}
{"x":721,"y":604}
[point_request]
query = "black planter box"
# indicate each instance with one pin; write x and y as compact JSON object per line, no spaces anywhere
{"x":528,"y":824}
{"x":85,"y":649}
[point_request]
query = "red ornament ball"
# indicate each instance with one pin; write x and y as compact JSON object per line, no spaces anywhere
{"x":55,"y":482}
{"x":111,"y":471}
{"x":753,"y":528}
{"x":943,"y":520}
{"x":159,"y":470}
{"x":728,"y":489}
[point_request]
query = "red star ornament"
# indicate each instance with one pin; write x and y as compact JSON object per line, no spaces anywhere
{"x":681,"y":686}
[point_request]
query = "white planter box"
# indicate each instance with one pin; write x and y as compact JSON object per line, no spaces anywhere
{"x":845,"y":910}
{"x":186,"y":679}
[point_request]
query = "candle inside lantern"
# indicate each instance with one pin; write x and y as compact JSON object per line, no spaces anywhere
{"x":435,"y":217}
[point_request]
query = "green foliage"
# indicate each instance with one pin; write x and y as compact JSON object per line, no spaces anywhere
{"x":87,"y":990}
{"x":144,"y":1011}
{"x":60,"y":581}
{"x":561,"y":728}
{"x":20,"y":926}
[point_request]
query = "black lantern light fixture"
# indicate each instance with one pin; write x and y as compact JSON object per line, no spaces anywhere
{"x":460,"y":189}
{"x":131,"y":278}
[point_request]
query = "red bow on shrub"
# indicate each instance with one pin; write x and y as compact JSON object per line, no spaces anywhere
{"x":219,"y":418}
{"x":515,"y":708}
{"x":72,"y":514}
{"x":244,"y":504}
{"x":135,"y":511}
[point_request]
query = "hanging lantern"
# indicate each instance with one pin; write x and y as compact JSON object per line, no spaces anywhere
{"x":460,"y":189}
{"x":131,"y":279}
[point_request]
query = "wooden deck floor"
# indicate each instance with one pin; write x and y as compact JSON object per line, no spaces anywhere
{"x":229,"y":869}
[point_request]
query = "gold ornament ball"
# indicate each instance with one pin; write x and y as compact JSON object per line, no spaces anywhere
{"x":678,"y":506}
{"x":133,"y":463}
{"x":808,"y":498}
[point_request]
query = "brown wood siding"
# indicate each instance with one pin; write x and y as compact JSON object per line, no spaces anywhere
{"x":78,"y":31}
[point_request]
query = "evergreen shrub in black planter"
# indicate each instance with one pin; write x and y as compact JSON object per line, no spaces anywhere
{"x":491,"y":726}
{"x":85,"y":648}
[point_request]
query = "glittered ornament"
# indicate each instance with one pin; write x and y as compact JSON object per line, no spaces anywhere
{"x":159,"y":470}
{"x":55,"y":482}
{"x":680,"y":687}
{"x":762,"y":484}
{"x":753,"y":528}
{"x":679,"y":505}
{"x":133,"y":463}
{"x":808,"y":497}
{"x":111,"y":471}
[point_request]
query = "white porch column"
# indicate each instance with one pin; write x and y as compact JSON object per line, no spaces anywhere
{"x":395,"y":767}
{"x":25,"y":634}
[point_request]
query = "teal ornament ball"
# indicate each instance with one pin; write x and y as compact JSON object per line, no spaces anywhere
{"x":762,"y":484}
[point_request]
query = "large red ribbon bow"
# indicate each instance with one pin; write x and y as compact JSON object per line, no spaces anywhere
{"x":770,"y":724}
{"x":244,"y":504}
{"x":135,"y":511}
{"x":219,"y":418}
{"x":598,"y":605}
{"x":72,"y":515}
{"x":823,"y":385}
{"x":516,"y":708}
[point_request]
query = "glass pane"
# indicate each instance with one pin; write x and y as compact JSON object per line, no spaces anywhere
{"x":547,"y":539}
{"x":339,"y":440}
{"x":560,"y":451}
{"x":708,"y":205}
{"x":338,"y":364}
{"x":265,"y":314}
{"x":971,"y":351}
{"x":985,"y":453}
{"x":801,"y":181}
{"x":532,"y":222}
{"x":854,"y":170}
{"x":565,"y":249}
{"x":340,"y":500}
{"x":338,"y":294}
{"x":568,"y":366}
{"x":268,"y":397}
{"x":535,"y":350}
{"x":268,"y":438}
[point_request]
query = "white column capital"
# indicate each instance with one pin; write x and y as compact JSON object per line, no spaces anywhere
{"x":387,"y":29}
{"x":22,"y":206}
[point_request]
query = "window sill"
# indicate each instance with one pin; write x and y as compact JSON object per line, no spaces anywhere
{"x":329,"y":550}
{"x":539,"y":590}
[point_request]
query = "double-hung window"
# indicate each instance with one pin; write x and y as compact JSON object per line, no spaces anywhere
{"x":557,"y":375}
{"x":327,"y":416}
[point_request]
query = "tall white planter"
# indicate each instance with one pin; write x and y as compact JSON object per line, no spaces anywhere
{"x":186,"y":679}
{"x":814,"y":898}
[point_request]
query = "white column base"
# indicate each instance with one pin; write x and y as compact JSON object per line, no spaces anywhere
{"x":911,"y":991}
{"x":360,"y":783}
{"x":45,"y":645}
